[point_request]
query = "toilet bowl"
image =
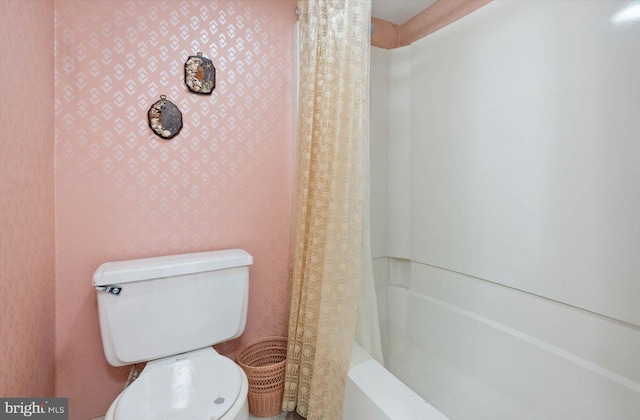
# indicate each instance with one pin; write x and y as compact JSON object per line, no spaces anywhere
{"x":197,"y":385}
{"x":168,"y":312}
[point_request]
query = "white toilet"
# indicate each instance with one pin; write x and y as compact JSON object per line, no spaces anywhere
{"x":169,"y":311}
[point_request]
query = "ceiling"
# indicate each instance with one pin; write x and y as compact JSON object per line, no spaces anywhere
{"x":398,"y":11}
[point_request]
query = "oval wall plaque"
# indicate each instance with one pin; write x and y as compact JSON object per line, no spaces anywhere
{"x":165,"y":119}
{"x":200,"y":74}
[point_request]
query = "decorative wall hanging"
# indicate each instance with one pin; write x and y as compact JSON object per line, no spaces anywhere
{"x":200,"y":74}
{"x":165,"y":119}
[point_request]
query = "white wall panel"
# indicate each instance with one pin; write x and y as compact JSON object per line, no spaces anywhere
{"x":470,"y":367}
{"x":378,"y":150}
{"x":525,"y":151}
{"x":380,"y":275}
{"x":399,"y":153}
{"x":597,"y":343}
{"x":517,"y":200}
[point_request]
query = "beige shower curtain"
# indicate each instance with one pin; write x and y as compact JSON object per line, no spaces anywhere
{"x":327,"y":237}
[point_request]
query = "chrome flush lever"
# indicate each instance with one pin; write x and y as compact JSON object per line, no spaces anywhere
{"x":113,"y":289}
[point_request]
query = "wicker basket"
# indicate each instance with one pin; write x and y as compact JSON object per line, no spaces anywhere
{"x":263,"y":361}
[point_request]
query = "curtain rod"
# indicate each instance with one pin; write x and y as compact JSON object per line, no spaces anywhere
{"x":373,"y":28}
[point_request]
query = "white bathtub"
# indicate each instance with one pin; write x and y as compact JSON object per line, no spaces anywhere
{"x":373,"y":393}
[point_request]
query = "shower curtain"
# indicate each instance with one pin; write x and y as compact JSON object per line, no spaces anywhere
{"x":328,"y":231}
{"x":368,"y":322}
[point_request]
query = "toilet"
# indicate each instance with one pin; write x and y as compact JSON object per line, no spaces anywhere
{"x":168,"y":311}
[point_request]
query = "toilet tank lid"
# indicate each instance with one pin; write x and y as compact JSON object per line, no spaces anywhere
{"x":119,"y":272}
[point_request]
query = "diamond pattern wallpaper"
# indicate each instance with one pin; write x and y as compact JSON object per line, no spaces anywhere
{"x":27,"y":284}
{"x":122,"y":192}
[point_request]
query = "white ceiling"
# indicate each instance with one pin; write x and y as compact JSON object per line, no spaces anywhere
{"x":398,"y":11}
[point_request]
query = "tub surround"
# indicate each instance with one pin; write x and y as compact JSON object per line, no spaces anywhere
{"x":509,"y":237}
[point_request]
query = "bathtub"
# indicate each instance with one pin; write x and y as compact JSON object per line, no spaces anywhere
{"x":373,"y":393}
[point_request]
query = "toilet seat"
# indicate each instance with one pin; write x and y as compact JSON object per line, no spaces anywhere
{"x":197,"y":385}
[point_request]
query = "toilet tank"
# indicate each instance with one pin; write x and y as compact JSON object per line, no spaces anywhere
{"x":157,"y":307}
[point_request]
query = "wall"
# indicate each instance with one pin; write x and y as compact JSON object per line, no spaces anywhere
{"x":514,"y":294}
{"x":122,"y":192}
{"x":26,"y":199}
{"x":437,"y":15}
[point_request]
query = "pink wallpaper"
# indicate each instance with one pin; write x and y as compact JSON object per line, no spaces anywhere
{"x":122,"y":192}
{"x":26,"y":199}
